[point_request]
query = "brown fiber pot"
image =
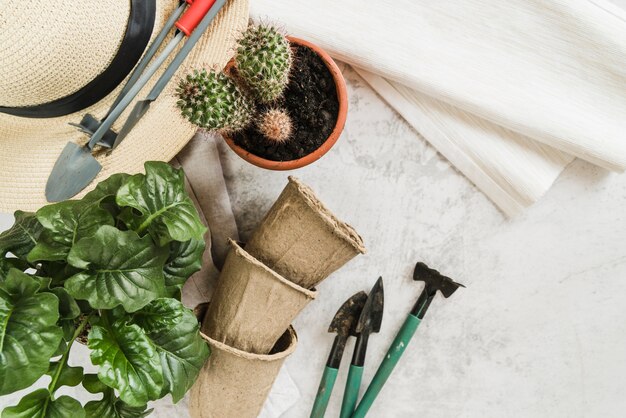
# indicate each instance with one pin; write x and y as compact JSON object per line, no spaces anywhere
{"x":301,"y":239}
{"x":342,"y":97}
{"x":234,"y":383}
{"x":252,"y":305}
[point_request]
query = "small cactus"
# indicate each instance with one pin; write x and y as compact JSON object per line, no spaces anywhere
{"x":275,"y":125}
{"x":264,"y":61}
{"x":213,"y":101}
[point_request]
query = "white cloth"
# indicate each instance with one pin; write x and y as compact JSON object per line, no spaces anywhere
{"x":512,"y":170}
{"x":551,"y":70}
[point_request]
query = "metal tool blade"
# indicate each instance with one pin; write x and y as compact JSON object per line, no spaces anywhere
{"x":68,"y":188}
{"x":371,"y":316}
{"x":89,"y":124}
{"x":434,"y":280}
{"x":76,"y":167}
{"x":344,"y":321}
{"x":72,"y":172}
{"x":152,"y":49}
{"x":142,"y":107}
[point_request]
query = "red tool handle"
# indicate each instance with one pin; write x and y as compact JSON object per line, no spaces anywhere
{"x":193,"y":15}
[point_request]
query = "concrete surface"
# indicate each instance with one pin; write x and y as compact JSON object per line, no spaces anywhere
{"x":540,"y":329}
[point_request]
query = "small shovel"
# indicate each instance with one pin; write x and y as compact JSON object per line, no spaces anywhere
{"x":76,"y":166}
{"x":344,"y":325}
{"x":434,"y":281}
{"x":370,"y":321}
{"x":89,"y":124}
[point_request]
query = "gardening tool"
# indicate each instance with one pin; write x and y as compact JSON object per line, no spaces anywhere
{"x":369,"y":321}
{"x":90,"y":124}
{"x":434,"y":281}
{"x":344,"y":325}
{"x":76,"y":167}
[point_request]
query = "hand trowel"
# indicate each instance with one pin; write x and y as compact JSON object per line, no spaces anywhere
{"x":76,"y":167}
{"x":434,"y":282}
{"x":344,"y":325}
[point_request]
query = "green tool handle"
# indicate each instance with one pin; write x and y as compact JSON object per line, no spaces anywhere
{"x":323,"y":392}
{"x":351,"y":394}
{"x":389,"y":362}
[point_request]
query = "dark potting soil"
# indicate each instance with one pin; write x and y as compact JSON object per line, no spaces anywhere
{"x":311,"y":101}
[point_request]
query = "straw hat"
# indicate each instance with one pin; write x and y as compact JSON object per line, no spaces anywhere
{"x":52,"y":50}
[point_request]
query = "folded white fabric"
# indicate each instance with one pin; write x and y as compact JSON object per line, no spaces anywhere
{"x":511,"y":169}
{"x":478,"y":78}
{"x":553,"y":70}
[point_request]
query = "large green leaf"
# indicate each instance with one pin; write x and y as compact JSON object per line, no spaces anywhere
{"x":105,"y":192}
{"x":106,"y":188}
{"x":7,"y":264}
{"x":65,"y":223}
{"x":173,"y":329}
{"x":166,"y":211}
{"x":111,"y":406}
{"x":57,"y":271}
{"x":39,"y":404}
{"x":28,"y":332}
{"x":184,"y":260}
{"x":22,"y":236}
{"x":69,"y":376}
{"x":68,"y":308}
{"x":128,"y":361}
{"x":120,"y":269}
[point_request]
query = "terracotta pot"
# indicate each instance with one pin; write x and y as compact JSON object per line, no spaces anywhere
{"x":342,"y":97}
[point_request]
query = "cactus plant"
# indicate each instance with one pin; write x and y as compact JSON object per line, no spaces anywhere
{"x":264,"y":61}
{"x":211,"y":100}
{"x":275,"y":125}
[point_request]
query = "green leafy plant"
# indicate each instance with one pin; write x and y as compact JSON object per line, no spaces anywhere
{"x":107,"y":269}
{"x":264,"y":60}
{"x":211,"y":100}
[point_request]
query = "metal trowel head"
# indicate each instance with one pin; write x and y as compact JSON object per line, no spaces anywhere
{"x":372,"y":314}
{"x":344,"y":321}
{"x":435,"y":280}
{"x":73,"y":171}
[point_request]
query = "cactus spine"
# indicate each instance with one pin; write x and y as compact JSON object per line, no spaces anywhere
{"x":213,"y":101}
{"x":264,"y":61}
{"x":275,"y":125}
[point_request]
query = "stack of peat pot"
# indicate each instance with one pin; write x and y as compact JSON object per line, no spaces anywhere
{"x":261,"y":289}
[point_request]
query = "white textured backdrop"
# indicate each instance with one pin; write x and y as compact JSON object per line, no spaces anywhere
{"x":540,"y":330}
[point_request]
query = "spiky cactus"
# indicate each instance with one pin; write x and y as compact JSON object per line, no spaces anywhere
{"x":213,"y":101}
{"x":275,"y":125}
{"x":264,"y":61}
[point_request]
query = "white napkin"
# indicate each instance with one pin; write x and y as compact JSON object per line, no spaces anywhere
{"x":511,"y":169}
{"x":550,"y":70}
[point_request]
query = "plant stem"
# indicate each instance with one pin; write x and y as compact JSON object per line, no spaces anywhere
{"x":52,"y":387}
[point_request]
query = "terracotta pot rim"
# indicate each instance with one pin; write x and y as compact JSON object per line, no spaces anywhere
{"x":342,"y":98}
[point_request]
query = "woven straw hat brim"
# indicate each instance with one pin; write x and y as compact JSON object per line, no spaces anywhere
{"x":30,"y":147}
